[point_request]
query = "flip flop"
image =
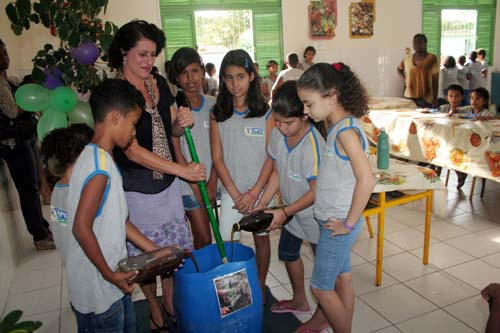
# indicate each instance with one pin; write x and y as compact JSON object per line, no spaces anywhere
{"x":282,"y":307}
{"x":302,"y":329}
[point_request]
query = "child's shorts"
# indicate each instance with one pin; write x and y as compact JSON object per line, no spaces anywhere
{"x":333,"y":256}
{"x":190,"y":202}
{"x":289,"y":246}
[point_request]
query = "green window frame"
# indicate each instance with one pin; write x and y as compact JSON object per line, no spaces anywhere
{"x":485,"y":27}
{"x":177,"y":19}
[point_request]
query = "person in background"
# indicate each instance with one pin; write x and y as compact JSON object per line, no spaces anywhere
{"x":474,"y":74}
{"x":309,"y":54}
{"x":272,"y":68}
{"x":420,"y":71}
{"x":187,"y":73}
{"x":263,"y":85}
{"x":293,"y":72}
{"x":60,"y":149}
{"x":212,"y":84}
{"x":148,"y":166}
{"x":481,"y":57}
{"x":172,"y":87}
{"x":449,"y":74}
{"x":455,"y":95}
{"x":491,"y":294}
{"x":462,"y":72}
{"x":18,"y":152}
{"x":479,"y":106}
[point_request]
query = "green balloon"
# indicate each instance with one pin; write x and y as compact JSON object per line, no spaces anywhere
{"x":82,"y":114}
{"x":50,"y":120}
{"x":32,"y":97}
{"x":63,"y":99}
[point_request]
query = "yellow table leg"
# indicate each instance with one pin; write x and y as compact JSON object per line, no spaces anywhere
{"x":380,"y":239}
{"x":428,"y":211}
{"x":369,"y":225}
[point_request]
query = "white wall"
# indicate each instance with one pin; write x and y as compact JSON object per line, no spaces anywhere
{"x":373,"y":59}
{"x":7,"y":240}
{"x":23,"y":48}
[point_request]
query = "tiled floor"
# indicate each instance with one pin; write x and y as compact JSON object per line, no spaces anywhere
{"x":440,"y":297}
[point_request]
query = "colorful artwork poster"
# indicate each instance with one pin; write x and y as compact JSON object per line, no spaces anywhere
{"x":233,"y":292}
{"x":361,"y":18}
{"x":322,"y":19}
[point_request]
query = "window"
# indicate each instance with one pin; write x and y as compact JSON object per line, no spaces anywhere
{"x":445,"y":22}
{"x":181,"y":21}
{"x":219,"y":31}
{"x":458,"y":32}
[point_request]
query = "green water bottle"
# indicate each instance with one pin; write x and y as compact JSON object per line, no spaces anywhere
{"x":383,"y":150}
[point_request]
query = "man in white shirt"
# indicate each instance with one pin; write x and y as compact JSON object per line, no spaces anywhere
{"x":291,"y":73}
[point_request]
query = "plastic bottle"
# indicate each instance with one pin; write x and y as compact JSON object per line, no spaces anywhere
{"x":383,"y":150}
{"x":256,"y":222}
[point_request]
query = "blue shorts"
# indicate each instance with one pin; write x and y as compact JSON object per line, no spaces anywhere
{"x":190,"y":202}
{"x":289,"y":246}
{"x":333,"y":256}
{"x":120,"y":317}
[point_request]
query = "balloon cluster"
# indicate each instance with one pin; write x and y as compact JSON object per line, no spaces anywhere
{"x":58,"y":106}
{"x":58,"y":102}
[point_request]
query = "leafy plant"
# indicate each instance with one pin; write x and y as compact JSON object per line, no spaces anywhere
{"x":74,"y":22}
{"x":10,"y":324}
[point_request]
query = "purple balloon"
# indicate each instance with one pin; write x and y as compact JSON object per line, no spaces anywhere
{"x":86,"y":53}
{"x":53,"y":78}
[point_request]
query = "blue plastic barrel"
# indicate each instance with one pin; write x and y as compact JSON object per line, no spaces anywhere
{"x":221,"y":298}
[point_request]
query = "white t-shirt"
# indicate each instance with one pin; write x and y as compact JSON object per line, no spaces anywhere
{"x":290,"y":74}
{"x":462,"y":72}
{"x":212,"y":85}
{"x":87,"y":288}
{"x":305,"y":65}
{"x":450,"y":76}
{"x":476,"y":79}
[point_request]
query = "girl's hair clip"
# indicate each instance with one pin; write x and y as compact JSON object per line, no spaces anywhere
{"x":337,"y":66}
{"x":246,"y":63}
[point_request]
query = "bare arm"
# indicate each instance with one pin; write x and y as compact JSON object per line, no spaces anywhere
{"x":212,"y":183}
{"x":181,"y":159}
{"x":365,"y":181}
{"x":146,"y":158}
{"x":181,"y":118}
{"x":138,"y":239}
{"x":88,"y":205}
{"x":273,"y":185}
{"x":277,"y":84}
{"x":435,"y":88}
{"x":218,"y":161}
{"x":248,"y":200}
{"x":280,"y":216}
{"x":401,"y":70}
{"x":492,"y":294}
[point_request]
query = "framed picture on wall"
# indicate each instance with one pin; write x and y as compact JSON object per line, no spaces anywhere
{"x":322,"y":19}
{"x":361,"y":19}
